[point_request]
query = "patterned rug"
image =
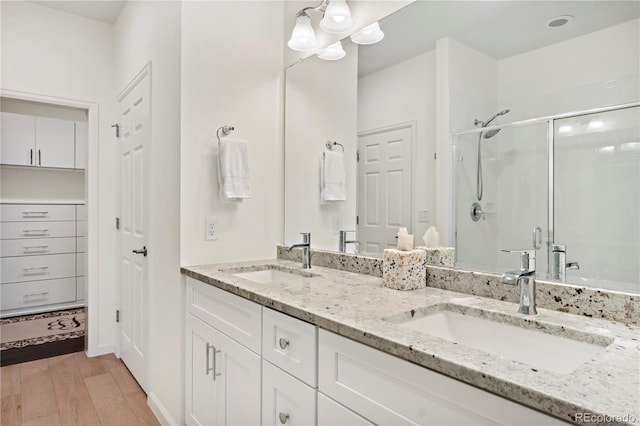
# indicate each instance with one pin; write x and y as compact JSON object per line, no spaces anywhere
{"x":32,"y":334}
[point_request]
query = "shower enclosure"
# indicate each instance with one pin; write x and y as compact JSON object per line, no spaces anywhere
{"x":568,"y":185}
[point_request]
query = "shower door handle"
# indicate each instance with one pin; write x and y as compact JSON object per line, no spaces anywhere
{"x":536,"y":236}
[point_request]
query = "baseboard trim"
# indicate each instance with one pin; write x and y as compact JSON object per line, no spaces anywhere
{"x":160,"y":411}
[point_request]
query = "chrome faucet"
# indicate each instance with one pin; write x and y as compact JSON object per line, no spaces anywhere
{"x":306,"y":249}
{"x":342,"y":243}
{"x":559,"y":263}
{"x":526,"y":278}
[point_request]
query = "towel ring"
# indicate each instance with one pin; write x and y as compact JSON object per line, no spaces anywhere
{"x":330,"y":145}
{"x":226,"y":130}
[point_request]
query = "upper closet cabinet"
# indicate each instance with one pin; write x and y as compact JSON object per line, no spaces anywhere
{"x":41,"y":142}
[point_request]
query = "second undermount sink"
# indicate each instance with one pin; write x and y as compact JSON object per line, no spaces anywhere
{"x":539,"y":345}
{"x":271,"y":274}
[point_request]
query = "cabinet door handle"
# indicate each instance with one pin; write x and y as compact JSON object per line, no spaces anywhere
{"x":39,"y":158}
{"x":208,"y":369}
{"x":215,"y":373}
{"x":31,"y":156}
{"x":283,"y":343}
{"x":284,"y":417}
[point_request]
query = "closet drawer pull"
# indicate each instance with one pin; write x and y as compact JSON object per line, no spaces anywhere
{"x":29,"y":249}
{"x":29,"y":232}
{"x":44,"y":293}
{"x":35,"y":214}
{"x":42,"y":269}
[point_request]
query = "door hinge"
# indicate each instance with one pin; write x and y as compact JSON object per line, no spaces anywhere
{"x":117,"y":223}
{"x":117,"y":126}
{"x":117,"y":315}
{"x":435,"y":156}
{"x":357,"y":220}
{"x":358,"y":156}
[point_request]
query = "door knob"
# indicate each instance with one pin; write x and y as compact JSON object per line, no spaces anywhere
{"x":283,"y":417}
{"x":142,"y":252}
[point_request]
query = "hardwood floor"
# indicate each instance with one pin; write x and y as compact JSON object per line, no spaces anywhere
{"x":72,"y":390}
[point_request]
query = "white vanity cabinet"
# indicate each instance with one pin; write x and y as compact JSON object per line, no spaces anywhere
{"x":28,"y":140}
{"x":222,"y":370}
{"x":388,"y":390}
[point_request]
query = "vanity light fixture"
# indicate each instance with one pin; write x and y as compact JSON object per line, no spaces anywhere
{"x":337,"y":19}
{"x":333,"y":52}
{"x":368,"y":35}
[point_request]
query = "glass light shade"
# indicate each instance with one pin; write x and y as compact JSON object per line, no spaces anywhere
{"x":368,"y":35}
{"x":333,"y":52}
{"x":337,"y":17}
{"x":303,"y":37}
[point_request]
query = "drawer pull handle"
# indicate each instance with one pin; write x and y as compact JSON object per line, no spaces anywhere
{"x":42,"y":269}
{"x":29,"y":232}
{"x":208,"y":369}
{"x":44,"y":293}
{"x":283,"y":343}
{"x":212,"y":369}
{"x":28,"y":249}
{"x":35,"y":214}
{"x":284,"y":417}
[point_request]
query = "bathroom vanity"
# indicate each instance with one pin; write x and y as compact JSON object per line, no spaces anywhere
{"x":270,"y":343}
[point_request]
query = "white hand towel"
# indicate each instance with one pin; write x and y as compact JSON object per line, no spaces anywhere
{"x":233,"y":169}
{"x":333,"y":177}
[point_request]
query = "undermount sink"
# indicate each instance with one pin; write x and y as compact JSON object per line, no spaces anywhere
{"x":271,"y":274}
{"x":528,"y":341}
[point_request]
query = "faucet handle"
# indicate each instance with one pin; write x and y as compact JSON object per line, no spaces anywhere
{"x":306,"y":237}
{"x":527,"y":258}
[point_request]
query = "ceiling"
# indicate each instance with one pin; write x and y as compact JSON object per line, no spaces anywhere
{"x":500,"y":29}
{"x":101,"y":10}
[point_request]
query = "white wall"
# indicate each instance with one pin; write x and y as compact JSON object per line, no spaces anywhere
{"x":320,"y":106}
{"x":405,"y":92}
{"x":232,"y":74}
{"x":55,"y":54}
{"x":145,"y":32}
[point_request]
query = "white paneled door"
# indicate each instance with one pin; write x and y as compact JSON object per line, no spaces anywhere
{"x":134,"y":140}
{"x":384,"y":187}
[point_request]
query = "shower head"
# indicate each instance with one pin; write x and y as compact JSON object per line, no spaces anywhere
{"x":503,"y":112}
{"x":492,"y":133}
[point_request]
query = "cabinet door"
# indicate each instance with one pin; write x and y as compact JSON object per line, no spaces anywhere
{"x":238,"y":375}
{"x":17,"y":138}
{"x":82,"y":138}
{"x":285,"y":399}
{"x":200,"y":388}
{"x":55,"y":143}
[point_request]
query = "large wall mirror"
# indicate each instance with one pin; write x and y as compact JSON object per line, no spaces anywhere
{"x":407,"y":114}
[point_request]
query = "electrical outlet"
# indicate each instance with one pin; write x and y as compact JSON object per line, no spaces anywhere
{"x":210,"y":232}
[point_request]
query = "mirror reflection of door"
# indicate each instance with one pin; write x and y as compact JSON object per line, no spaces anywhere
{"x":384,"y":186}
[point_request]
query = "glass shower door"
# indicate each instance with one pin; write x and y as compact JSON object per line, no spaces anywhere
{"x":515,"y":175}
{"x":597,"y":197}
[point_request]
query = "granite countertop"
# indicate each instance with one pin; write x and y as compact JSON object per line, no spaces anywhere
{"x":359,"y":307}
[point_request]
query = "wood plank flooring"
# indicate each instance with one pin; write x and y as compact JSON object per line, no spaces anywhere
{"x":72,"y":389}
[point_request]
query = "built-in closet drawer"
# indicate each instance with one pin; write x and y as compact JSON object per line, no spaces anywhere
{"x":81,"y":285}
{"x":236,"y":317}
{"x":37,"y":246}
{"x":31,"y":268}
{"x":37,"y":212}
{"x":35,"y":293}
{"x":16,"y":230}
{"x":285,"y":399}
{"x":81,"y":267}
{"x":290,"y":344}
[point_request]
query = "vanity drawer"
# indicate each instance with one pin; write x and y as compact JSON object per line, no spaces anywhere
{"x":37,"y":246}
{"x":37,"y":212}
{"x":17,"y":230}
{"x":236,"y":317}
{"x":290,"y":344}
{"x":34,"y":293}
{"x":285,"y":399}
{"x":32,"y":268}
